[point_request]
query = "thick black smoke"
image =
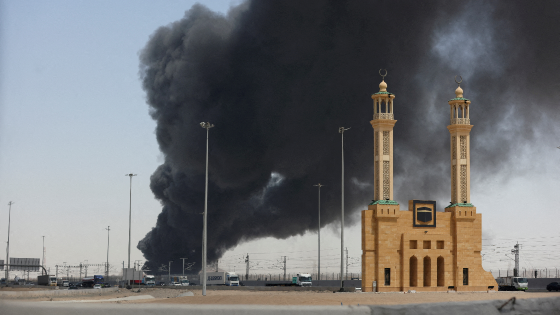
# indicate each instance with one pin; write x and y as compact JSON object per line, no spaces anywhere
{"x":278,"y":78}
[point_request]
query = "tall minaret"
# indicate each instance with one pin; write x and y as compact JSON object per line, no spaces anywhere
{"x":460,"y":128}
{"x":383,"y":123}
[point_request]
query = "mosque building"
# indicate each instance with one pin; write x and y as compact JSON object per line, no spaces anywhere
{"x":421,"y":249}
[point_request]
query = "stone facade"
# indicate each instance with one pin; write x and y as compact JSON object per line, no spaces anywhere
{"x":422,"y":258}
{"x":419,"y":248}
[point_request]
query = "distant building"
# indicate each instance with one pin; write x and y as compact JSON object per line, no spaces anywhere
{"x":421,"y":249}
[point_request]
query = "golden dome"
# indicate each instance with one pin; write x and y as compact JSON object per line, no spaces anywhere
{"x":383,"y":86}
{"x":459,"y":92}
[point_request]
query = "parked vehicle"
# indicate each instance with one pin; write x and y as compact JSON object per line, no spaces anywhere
{"x":161,"y":283}
{"x":512,"y":283}
{"x":222,"y":278}
{"x":47,"y":280}
{"x":553,"y":286}
{"x":97,"y":286}
{"x":184,"y":281}
{"x":300,"y":280}
{"x":149,"y":280}
{"x":232,"y":279}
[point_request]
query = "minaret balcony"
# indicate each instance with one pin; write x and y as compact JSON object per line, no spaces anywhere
{"x":460,"y":121}
{"x":389,"y":116}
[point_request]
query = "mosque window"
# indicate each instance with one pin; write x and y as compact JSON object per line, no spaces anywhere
{"x":387,"y":276}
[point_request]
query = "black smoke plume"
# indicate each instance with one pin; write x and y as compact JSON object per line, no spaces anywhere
{"x":278,"y":78}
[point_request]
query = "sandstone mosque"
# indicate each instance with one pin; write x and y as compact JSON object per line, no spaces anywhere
{"x":421,"y":249}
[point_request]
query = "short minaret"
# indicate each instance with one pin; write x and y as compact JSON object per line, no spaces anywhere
{"x":383,"y":123}
{"x":460,"y":128}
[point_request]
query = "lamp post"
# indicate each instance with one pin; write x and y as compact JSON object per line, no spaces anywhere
{"x":8,"y":246}
{"x":184,"y":266}
{"x":169,"y":270}
{"x":319,"y":234}
{"x":107,"y":271}
{"x":129,"y":216}
{"x":207,"y":126}
{"x":43,"y":261}
{"x":341,"y":130}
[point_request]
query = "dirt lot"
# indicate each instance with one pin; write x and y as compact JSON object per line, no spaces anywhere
{"x":162,"y":295}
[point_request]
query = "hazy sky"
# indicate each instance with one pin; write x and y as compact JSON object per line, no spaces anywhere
{"x":74,"y":121}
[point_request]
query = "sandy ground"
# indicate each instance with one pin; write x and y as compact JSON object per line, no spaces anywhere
{"x":231,"y":297}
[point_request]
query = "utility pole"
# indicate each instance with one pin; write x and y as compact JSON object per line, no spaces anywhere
{"x":346,"y":277}
{"x":80,"y":271}
{"x":207,"y":126}
{"x":319,"y":234}
{"x":8,"y":247}
{"x":43,"y":261}
{"x":107,"y":271}
{"x":341,"y":130}
{"x":56,"y":274}
{"x":247,"y":267}
{"x":130,"y":216}
{"x":184,"y":265}
{"x":284,"y":268}
{"x":169,"y":270}
{"x":515,"y":251}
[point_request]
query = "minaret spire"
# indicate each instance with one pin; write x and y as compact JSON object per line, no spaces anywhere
{"x":460,"y":128}
{"x":383,"y":123}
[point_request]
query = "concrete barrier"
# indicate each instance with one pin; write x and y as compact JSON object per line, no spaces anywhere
{"x":55,"y":293}
{"x":261,"y":288}
{"x":512,"y":306}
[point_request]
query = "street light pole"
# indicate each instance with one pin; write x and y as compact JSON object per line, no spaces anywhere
{"x":341,"y":130}
{"x":43,"y":261}
{"x":184,"y":266}
{"x":7,"y":264}
{"x":207,"y":126}
{"x":129,"y":216}
{"x":319,"y":234}
{"x":169,"y":270}
{"x":107,"y":271}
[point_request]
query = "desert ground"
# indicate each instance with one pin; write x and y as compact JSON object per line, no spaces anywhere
{"x":246,"y":297}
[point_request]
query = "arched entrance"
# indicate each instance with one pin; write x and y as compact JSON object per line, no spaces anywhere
{"x":413,"y":268}
{"x":440,"y":272}
{"x":427,"y":271}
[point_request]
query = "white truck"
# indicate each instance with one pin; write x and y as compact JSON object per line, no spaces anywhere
{"x":149,"y":280}
{"x":232,"y":279}
{"x":512,"y":283}
{"x":303,"y":280}
{"x":222,"y":278}
{"x":184,"y":281}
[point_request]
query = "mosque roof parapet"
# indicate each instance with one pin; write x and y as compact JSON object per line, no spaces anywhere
{"x":460,"y":205}
{"x":383,"y":202}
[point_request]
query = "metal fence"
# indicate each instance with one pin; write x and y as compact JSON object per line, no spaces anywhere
{"x":528,"y":273}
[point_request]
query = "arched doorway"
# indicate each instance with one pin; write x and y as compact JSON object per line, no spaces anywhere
{"x":440,"y":272}
{"x":427,"y":271}
{"x":413,"y":267}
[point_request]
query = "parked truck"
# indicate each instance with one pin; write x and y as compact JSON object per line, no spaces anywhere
{"x":232,"y":279}
{"x":222,"y":278}
{"x":149,"y":280}
{"x":300,"y":280}
{"x":46,"y":280}
{"x":512,"y":283}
